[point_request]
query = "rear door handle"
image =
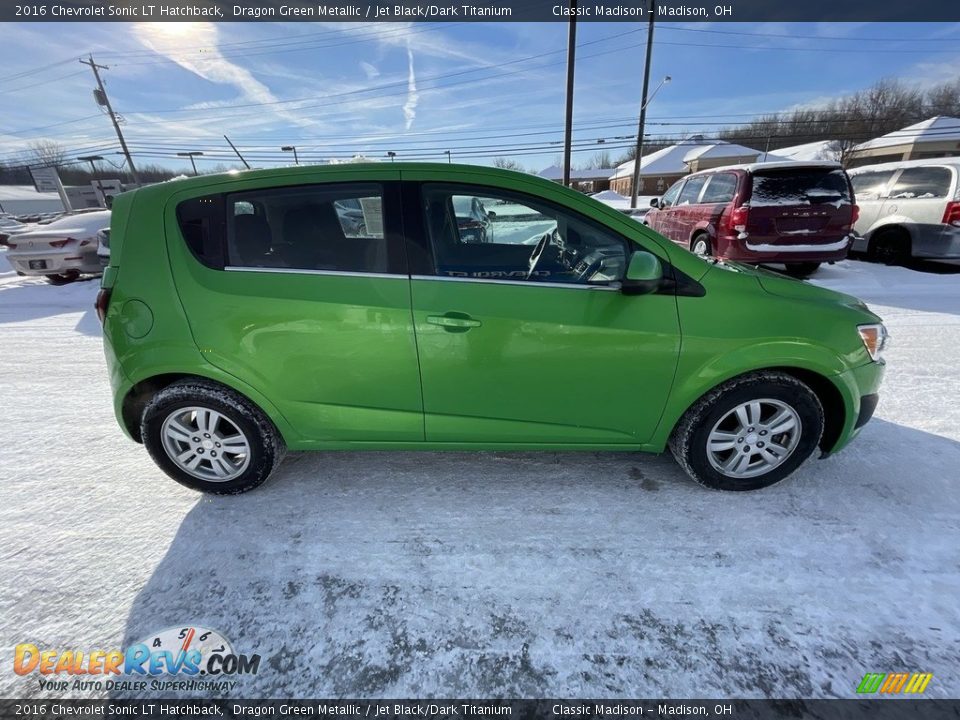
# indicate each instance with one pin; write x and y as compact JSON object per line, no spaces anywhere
{"x":454,"y":322}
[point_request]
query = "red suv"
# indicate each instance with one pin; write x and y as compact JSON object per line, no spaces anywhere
{"x":798,"y":214}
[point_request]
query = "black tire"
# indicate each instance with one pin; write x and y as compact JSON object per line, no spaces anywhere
{"x":62,"y":278}
{"x":688,"y":443}
{"x":890,"y":247}
{"x":702,"y":240}
{"x":266,"y":445}
{"x":801,"y":270}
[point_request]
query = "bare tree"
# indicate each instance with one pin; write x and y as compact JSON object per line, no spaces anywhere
{"x":507,"y":164}
{"x":599,"y":160}
{"x":47,"y":153}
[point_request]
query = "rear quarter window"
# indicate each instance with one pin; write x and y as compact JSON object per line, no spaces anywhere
{"x":201,"y":223}
{"x":922,"y":183}
{"x":799,"y":187}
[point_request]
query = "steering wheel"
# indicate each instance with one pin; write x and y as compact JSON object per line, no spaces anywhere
{"x":537,"y":254}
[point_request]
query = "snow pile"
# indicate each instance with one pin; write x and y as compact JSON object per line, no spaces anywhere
{"x":392,"y":574}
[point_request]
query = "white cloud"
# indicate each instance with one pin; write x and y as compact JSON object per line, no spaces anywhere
{"x":410,"y":107}
{"x":370,"y":70}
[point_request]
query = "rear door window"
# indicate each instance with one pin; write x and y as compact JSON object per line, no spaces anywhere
{"x":810,"y":186}
{"x":336,"y":227}
{"x":870,"y":185}
{"x":691,"y":191}
{"x":922,"y":183}
{"x":720,"y":189}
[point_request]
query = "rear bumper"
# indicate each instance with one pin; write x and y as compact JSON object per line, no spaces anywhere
{"x":747,"y":249}
{"x":85,"y":262}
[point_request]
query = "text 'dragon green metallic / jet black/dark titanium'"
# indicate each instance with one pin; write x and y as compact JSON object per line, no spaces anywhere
{"x":422,"y":306}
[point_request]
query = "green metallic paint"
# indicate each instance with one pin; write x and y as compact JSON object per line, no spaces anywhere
{"x":341,"y":362}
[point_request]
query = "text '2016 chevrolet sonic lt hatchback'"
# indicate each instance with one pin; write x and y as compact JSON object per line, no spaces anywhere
{"x":346,"y":307}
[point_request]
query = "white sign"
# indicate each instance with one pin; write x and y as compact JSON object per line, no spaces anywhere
{"x":45,"y":179}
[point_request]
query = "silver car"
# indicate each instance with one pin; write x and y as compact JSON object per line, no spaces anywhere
{"x":60,"y":251}
{"x":908,"y":209}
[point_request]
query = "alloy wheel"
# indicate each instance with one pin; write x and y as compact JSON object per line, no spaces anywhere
{"x":205,"y":443}
{"x":753,"y":438}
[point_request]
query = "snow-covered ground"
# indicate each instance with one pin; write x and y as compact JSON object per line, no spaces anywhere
{"x":497,"y":574}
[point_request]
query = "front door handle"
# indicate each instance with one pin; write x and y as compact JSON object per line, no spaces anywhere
{"x":454,"y":322}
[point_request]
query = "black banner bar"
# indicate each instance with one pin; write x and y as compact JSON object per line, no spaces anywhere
{"x":478,"y":10}
{"x":453,"y":709}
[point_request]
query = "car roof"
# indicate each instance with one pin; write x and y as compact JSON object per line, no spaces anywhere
{"x":785,"y":165}
{"x":897,"y":164}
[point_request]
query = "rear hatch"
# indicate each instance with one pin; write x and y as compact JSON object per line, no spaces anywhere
{"x":799,"y":206}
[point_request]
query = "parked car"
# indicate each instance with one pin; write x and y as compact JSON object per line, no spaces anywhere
{"x":9,"y":227}
{"x":103,"y":246}
{"x":798,"y":214}
{"x":602,"y":336}
{"x":60,"y":251}
{"x":908,"y":209}
{"x":473,"y":219}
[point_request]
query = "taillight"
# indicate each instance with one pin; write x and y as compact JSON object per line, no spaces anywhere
{"x":3,"y":238}
{"x":60,"y":243}
{"x":951,"y":215}
{"x":737,"y":219}
{"x":11,"y":245}
{"x":102,"y":303}
{"x":854,"y":214}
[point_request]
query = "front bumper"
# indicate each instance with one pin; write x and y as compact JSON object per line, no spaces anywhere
{"x":860,"y":390}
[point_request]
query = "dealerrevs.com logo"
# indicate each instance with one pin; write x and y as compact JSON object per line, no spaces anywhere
{"x":179,"y":652}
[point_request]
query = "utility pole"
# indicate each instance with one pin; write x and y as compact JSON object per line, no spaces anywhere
{"x":635,"y":187}
{"x":571,"y":60}
{"x":102,"y":99}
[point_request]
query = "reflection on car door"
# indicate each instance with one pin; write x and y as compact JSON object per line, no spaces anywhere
{"x":548,"y":360}
{"x":661,"y":218}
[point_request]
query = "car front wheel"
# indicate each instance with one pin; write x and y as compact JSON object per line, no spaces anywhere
{"x":210,"y":438}
{"x":749,"y":433}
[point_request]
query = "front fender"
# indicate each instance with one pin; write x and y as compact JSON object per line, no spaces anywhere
{"x":697,"y":376}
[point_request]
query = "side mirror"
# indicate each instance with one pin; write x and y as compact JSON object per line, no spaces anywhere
{"x":644,"y":274}
{"x":654,"y":202}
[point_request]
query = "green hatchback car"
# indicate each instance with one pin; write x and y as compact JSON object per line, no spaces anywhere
{"x":357,"y":307}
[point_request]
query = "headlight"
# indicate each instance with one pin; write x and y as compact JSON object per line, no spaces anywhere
{"x":875,"y":340}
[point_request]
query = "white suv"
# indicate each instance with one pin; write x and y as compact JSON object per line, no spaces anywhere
{"x":908,"y":209}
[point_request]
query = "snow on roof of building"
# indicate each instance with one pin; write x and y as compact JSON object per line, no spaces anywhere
{"x":672,"y":160}
{"x":820,"y":150}
{"x":936,"y":129}
{"x":720,"y":149}
{"x":555,"y":172}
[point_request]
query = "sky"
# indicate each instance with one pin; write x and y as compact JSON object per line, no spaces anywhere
{"x":479,"y":90}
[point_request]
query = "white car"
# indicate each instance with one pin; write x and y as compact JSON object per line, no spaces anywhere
{"x":60,"y":251}
{"x":103,"y":246}
{"x":908,"y":209}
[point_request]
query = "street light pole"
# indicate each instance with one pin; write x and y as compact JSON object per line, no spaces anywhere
{"x":191,"y":155}
{"x":635,"y":186}
{"x":571,"y":62}
{"x":447,"y":153}
{"x":288,"y":148}
{"x":391,"y":154}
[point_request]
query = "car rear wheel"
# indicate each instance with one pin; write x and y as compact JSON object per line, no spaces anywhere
{"x":891,"y":247}
{"x":210,"y":438}
{"x":749,"y":433}
{"x":700,"y":245}
{"x":801,"y":270}
{"x":62,"y":278}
